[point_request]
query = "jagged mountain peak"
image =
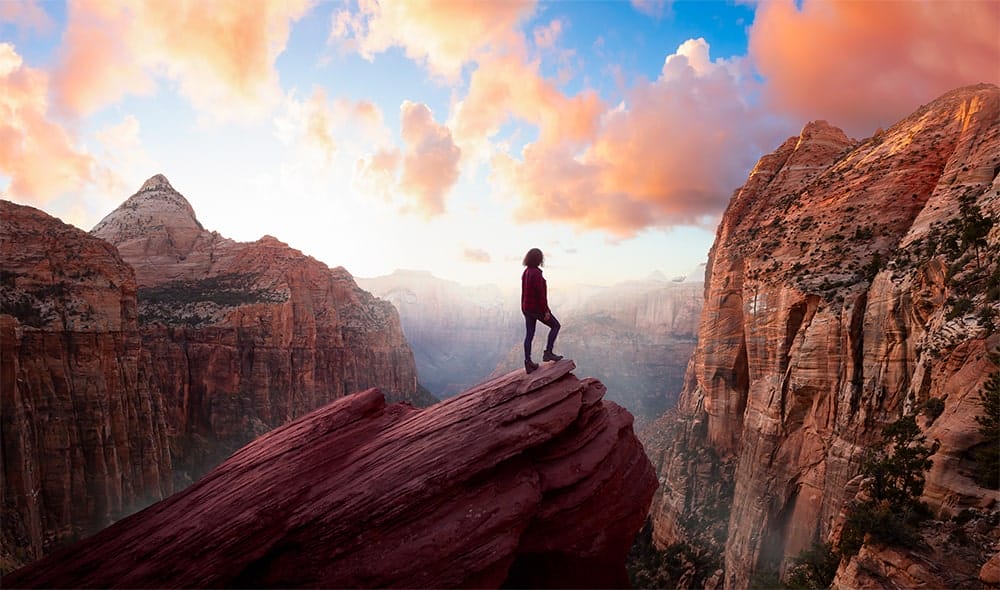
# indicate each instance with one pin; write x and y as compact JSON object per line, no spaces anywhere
{"x":154,"y":182}
{"x":156,"y":207}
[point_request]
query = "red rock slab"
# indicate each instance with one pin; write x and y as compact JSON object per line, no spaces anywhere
{"x":522,"y":480}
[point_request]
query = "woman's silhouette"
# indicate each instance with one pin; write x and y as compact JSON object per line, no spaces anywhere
{"x":535,"y":307}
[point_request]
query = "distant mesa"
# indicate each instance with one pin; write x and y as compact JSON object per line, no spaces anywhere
{"x":523,"y":481}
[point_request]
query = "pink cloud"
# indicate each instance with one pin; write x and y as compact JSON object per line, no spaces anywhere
{"x":221,"y":54}
{"x":319,"y":129}
{"x":505,"y":87}
{"x":38,"y":155}
{"x":430,"y":162}
{"x":861,"y":65}
{"x":546,"y":36}
{"x":443,"y":34}
{"x":422,"y":173}
{"x":653,"y":8}
{"x":27,"y":15}
{"x":376,"y":174}
{"x":672,"y":153}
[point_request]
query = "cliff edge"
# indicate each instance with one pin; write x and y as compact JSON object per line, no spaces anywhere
{"x":525,"y":480}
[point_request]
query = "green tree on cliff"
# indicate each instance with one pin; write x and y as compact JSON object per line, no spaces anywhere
{"x":894,"y":481}
{"x":988,"y":457}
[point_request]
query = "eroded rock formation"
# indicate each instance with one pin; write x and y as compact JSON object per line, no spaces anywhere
{"x":844,"y":289}
{"x":530,"y":480}
{"x":246,"y":336}
{"x":84,"y":434}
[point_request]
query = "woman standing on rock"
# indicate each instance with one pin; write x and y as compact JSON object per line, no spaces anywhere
{"x":535,"y":307}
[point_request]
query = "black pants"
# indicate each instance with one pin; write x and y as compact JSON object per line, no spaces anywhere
{"x":529,"y":331}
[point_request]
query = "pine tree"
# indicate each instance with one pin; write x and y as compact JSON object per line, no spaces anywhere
{"x":988,"y":457}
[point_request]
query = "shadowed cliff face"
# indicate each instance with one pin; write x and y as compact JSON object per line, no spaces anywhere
{"x":842,"y":292}
{"x":84,"y":433}
{"x":532,"y":481}
{"x":244,"y":337}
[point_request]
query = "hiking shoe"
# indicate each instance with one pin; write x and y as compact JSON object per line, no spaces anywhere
{"x":548,"y":355}
{"x":529,"y":366}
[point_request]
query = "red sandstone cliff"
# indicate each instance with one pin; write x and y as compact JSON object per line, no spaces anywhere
{"x":84,"y":434}
{"x":246,"y":336}
{"x":841,"y":294}
{"x":532,"y":481}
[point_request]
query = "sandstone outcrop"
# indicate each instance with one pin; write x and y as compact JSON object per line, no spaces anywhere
{"x":84,"y":434}
{"x":246,"y":336}
{"x":848,"y":285}
{"x":527,"y":481}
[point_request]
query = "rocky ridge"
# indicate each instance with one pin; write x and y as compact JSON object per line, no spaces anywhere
{"x":84,"y":429}
{"x":847,"y":286}
{"x":523,"y":481}
{"x":247,"y":335}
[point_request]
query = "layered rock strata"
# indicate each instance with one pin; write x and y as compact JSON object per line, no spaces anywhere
{"x":527,"y":481}
{"x":849,"y":284}
{"x":84,"y":432}
{"x":247,"y":336}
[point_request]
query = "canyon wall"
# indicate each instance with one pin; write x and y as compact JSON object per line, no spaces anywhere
{"x":847,"y":286}
{"x":247,"y":336}
{"x":84,"y":430}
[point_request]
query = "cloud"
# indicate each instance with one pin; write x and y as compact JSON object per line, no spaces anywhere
{"x":443,"y":34}
{"x":376,"y":174}
{"x":476,"y":255}
{"x":422,"y":173}
{"x":861,"y":65}
{"x":320,"y":127}
{"x":221,"y":54}
{"x":653,"y":8}
{"x":546,"y":36}
{"x":27,"y":15}
{"x":672,"y":153}
{"x":505,"y":87}
{"x":125,"y":163}
{"x":430,"y":163}
{"x":36,"y":153}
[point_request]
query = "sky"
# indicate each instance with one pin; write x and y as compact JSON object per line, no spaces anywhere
{"x":454,"y":135}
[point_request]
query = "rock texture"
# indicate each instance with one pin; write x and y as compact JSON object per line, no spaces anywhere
{"x":636,"y":337}
{"x":530,"y":481}
{"x":843,"y":290}
{"x":457,"y":332}
{"x":84,"y":433}
{"x":246,"y":336}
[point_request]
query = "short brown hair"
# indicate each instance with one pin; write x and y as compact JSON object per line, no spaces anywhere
{"x":534,"y":258}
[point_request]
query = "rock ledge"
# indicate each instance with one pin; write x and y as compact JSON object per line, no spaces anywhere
{"x":524,"y":480}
